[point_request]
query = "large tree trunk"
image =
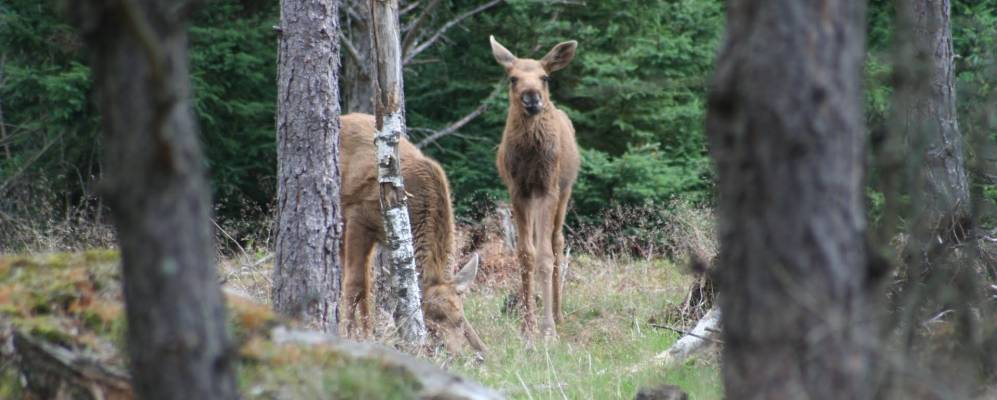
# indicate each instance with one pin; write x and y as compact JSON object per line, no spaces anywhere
{"x":785,"y":129}
{"x":154,"y":182}
{"x":925,"y":101}
{"x":307,"y":271}
{"x":941,"y":273}
{"x":390,"y":111}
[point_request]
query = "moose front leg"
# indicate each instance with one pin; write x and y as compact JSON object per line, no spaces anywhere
{"x":557,"y":241}
{"x":356,"y":278}
{"x":546,"y":209}
{"x":523,"y":213}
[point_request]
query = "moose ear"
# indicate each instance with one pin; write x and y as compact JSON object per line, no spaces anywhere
{"x":464,"y":278}
{"x":502,"y":55}
{"x":559,"y":56}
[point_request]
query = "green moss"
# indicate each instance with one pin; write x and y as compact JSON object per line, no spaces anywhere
{"x":49,"y":328}
{"x":298,"y":371}
{"x":95,"y":256}
{"x":73,"y":299}
{"x":10,"y":385}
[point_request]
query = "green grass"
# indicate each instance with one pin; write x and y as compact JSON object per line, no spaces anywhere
{"x":604,"y":342}
{"x":605,"y":335}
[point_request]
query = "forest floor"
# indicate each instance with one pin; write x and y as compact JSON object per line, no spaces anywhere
{"x":605,"y":340}
{"x":604,"y":343}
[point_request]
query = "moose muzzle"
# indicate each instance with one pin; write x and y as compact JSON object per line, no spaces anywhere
{"x":533,"y":103}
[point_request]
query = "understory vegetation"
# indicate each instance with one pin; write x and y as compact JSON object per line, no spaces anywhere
{"x":636,"y":93}
{"x":641,"y":228}
{"x":614,"y":311}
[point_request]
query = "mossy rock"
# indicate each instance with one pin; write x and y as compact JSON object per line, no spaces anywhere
{"x":73,"y":301}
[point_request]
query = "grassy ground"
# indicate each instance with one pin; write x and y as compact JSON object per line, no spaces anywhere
{"x":605,"y":334}
{"x":73,"y":300}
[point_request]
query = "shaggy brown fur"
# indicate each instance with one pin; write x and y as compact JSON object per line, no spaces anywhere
{"x":538,"y":161}
{"x":432,"y":229}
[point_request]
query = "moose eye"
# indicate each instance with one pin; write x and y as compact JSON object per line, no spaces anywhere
{"x":546,"y":78}
{"x":513,"y":80}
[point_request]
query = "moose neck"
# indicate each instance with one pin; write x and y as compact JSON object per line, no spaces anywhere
{"x":433,"y":231}
{"x":518,"y":121}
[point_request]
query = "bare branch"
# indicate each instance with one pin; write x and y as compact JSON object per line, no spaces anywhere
{"x":6,"y":184}
{"x":357,"y":15}
{"x":413,"y":29}
{"x":408,"y":8}
{"x":453,"y":127}
{"x":354,"y":54}
{"x":450,"y":24}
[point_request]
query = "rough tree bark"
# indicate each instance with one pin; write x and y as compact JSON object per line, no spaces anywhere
{"x":307,"y":271}
{"x":785,"y":130}
{"x":941,"y":274}
{"x":390,"y":112}
{"x":925,"y":102}
{"x":154,"y":183}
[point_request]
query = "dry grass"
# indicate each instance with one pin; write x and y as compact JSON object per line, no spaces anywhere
{"x":609,"y":306}
{"x":610,"y":302}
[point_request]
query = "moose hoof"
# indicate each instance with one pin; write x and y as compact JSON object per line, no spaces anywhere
{"x":549,"y":333}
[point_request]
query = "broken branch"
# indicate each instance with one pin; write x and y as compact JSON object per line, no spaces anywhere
{"x":453,"y":127}
{"x":450,"y":24}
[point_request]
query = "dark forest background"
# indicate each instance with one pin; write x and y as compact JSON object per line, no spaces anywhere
{"x":636,"y":93}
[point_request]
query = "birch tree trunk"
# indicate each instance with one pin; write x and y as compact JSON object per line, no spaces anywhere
{"x":155,"y":185}
{"x":307,"y":271}
{"x":390,"y":112}
{"x":785,"y":130}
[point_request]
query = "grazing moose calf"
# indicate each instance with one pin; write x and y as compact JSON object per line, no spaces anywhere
{"x":538,"y":161}
{"x":432,"y":228}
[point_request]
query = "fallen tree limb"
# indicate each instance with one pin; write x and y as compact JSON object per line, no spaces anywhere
{"x":700,"y":338}
{"x":688,"y":333}
{"x":53,"y":372}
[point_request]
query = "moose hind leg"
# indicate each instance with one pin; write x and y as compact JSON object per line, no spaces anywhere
{"x":522,"y":210}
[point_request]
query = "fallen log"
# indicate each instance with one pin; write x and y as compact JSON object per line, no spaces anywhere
{"x":54,"y":372}
{"x":435,"y":383}
{"x":701,"y":338}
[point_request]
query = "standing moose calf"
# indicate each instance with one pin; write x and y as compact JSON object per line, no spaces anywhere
{"x":538,"y":162}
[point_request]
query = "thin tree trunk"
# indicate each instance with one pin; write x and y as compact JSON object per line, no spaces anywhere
{"x":307,"y":271}
{"x":785,"y":130}
{"x":390,"y":111}
{"x":925,"y":99}
{"x":3,"y":123}
{"x":154,"y":182}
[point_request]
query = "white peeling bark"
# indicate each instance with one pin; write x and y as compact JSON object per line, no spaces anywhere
{"x":390,"y":112}
{"x":701,"y":337}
